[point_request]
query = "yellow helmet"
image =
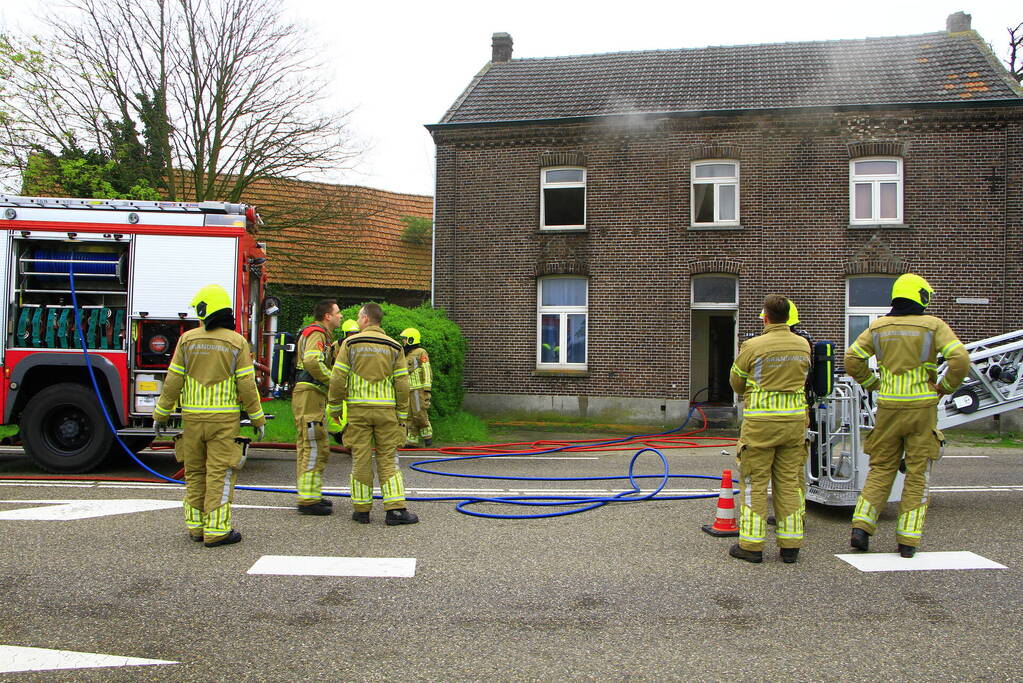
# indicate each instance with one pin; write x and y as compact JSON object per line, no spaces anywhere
{"x":411,"y":336}
{"x":209,"y":300}
{"x":793,"y":314}
{"x":914,"y":288}
{"x":349,"y":326}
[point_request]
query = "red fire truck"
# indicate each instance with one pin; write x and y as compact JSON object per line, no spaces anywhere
{"x":136,"y":267}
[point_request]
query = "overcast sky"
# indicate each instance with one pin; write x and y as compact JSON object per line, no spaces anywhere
{"x":401,"y":64}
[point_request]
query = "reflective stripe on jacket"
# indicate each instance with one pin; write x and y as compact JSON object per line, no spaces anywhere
{"x":370,"y":370}
{"x":312,"y":358}
{"x":212,"y":377}
{"x":419,"y":372}
{"x":907,"y":349}
{"x":770,"y":374}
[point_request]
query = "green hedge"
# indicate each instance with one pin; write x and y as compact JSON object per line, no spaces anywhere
{"x":442,"y":339}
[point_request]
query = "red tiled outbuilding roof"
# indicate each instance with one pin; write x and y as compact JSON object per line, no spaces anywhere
{"x":341,"y":235}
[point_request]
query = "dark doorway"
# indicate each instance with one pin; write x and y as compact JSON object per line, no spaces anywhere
{"x":721,"y":355}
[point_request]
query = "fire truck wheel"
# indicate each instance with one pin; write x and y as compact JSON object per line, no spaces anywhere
{"x":64,"y":431}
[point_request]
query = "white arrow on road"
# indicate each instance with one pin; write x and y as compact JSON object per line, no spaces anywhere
{"x":64,"y":510}
{"x":14,"y":658}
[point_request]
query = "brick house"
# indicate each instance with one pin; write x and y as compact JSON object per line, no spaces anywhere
{"x":342,"y":241}
{"x":607,"y":225}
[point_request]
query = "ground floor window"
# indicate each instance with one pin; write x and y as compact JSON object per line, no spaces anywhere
{"x":562,"y":322}
{"x":868,"y":297}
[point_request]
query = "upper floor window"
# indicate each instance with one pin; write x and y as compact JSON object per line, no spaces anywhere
{"x":562,"y":322}
{"x":563,"y":198}
{"x":875,"y":190}
{"x":715,"y":193}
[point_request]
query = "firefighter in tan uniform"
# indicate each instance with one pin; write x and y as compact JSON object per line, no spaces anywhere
{"x":308,"y":400}
{"x":906,"y":343}
{"x":420,"y":384}
{"x":770,"y":375}
{"x":371,"y":375}
{"x":212,"y":377}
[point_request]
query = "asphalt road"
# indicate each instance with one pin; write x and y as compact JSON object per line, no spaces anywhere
{"x":624,"y":592}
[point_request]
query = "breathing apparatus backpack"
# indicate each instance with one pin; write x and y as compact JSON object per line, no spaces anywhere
{"x":282,"y":366}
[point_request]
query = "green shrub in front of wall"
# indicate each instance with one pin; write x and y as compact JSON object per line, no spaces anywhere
{"x":442,"y":339}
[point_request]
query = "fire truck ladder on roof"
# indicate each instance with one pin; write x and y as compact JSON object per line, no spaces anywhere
{"x":837,"y":467}
{"x":120,"y":205}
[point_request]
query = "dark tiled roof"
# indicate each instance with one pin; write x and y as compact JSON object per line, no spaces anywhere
{"x":930,"y":68}
{"x":341,"y":235}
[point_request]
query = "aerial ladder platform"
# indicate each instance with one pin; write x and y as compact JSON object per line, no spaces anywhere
{"x":837,"y":467}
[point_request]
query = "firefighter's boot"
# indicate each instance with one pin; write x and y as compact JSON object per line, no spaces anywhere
{"x":907,"y":550}
{"x":860,"y":540}
{"x":789,"y":555}
{"x":400,"y":516}
{"x":232,"y":537}
{"x":319,"y":508}
{"x":428,"y":442}
{"x":754,"y":556}
{"x":360,"y":516}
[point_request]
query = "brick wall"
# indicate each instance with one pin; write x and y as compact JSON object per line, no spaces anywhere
{"x":964,"y":233}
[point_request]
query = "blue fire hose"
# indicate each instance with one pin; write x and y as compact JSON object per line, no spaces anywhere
{"x":576,"y":504}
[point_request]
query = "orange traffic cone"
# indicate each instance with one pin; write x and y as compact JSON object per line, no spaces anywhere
{"x":724,"y":520}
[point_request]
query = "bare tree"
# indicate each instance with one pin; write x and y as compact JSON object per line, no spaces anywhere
{"x":226,"y":92}
{"x":1015,"y":61}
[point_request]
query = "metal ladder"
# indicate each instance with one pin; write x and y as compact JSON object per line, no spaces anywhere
{"x":837,"y":467}
{"x":120,"y":205}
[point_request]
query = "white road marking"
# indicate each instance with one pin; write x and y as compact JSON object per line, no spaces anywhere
{"x":14,"y":658}
{"x":297,"y":565}
{"x":893,"y":562}
{"x":64,"y":510}
{"x":964,"y":456}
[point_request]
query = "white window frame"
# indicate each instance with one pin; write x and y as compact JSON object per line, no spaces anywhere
{"x":563,"y":312}
{"x":717,"y":183}
{"x":560,"y":185}
{"x":713,"y":306}
{"x":872,"y":312}
{"x":875,"y":181}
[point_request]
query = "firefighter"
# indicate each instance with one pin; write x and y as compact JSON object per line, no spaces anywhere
{"x":796,"y":327}
{"x":769,"y":374}
{"x":371,"y":375}
{"x":211,"y":374}
{"x":308,"y":401}
{"x":906,"y":343}
{"x":420,"y":383}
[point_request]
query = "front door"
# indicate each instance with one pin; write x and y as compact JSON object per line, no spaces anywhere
{"x":720,"y":356}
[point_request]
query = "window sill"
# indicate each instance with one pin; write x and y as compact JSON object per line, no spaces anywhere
{"x":560,"y":373}
{"x":707,"y":228}
{"x":878,"y":226}
{"x":559,"y":230}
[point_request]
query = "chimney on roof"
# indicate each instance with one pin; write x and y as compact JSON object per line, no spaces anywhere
{"x":960,"y":21}
{"x":502,"y":47}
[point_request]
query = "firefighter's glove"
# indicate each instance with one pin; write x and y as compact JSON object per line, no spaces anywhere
{"x":260,"y":433}
{"x":159,"y":429}
{"x":335,"y":423}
